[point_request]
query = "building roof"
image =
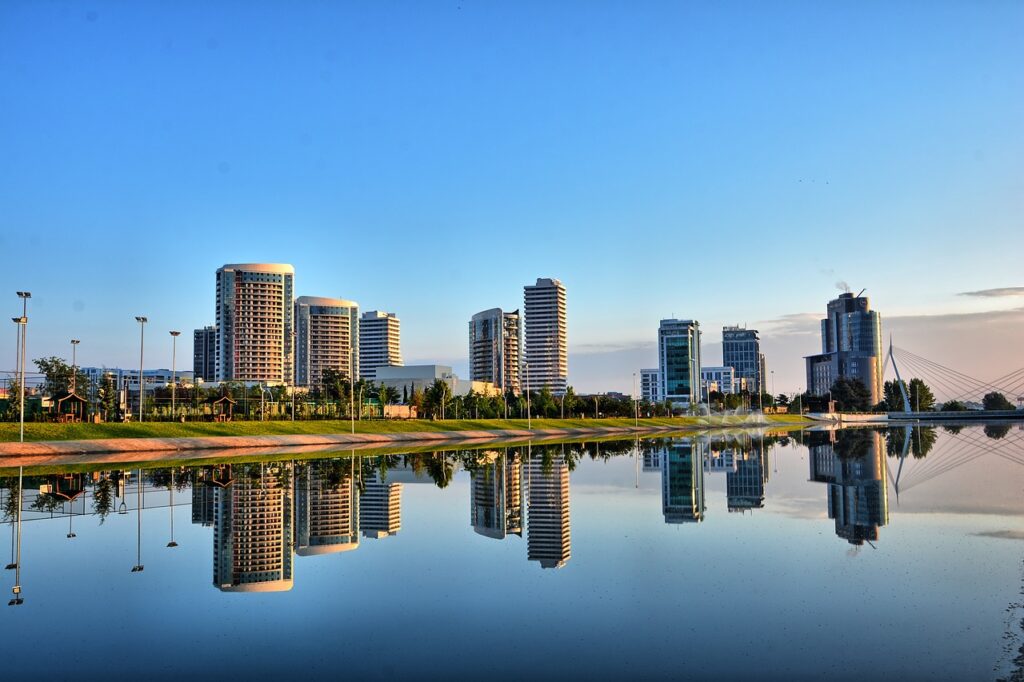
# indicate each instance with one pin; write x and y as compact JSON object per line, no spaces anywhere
{"x":277,"y":268}
{"x":327,"y":302}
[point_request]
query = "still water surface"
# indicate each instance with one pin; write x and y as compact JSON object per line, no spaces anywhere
{"x":735,"y":555}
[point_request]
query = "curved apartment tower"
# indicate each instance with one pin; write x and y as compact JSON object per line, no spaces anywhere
{"x":327,"y":337}
{"x":254,"y":322}
{"x":494,"y":348}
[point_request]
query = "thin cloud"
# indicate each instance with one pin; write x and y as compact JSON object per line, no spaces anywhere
{"x":793,"y":324}
{"x":995,"y":293}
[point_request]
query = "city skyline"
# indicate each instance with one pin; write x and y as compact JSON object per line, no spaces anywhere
{"x":681,"y":142}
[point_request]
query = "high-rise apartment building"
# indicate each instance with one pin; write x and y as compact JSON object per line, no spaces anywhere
{"x":204,"y":354}
{"x":544,"y":324}
{"x":380,"y":508}
{"x":494,"y":348}
{"x":379,"y":342}
{"x":326,"y":508}
{"x":741,"y":350}
{"x":495,"y":496}
{"x":679,"y":361}
{"x":547,"y":533}
{"x":252,"y":532}
{"x":254,"y":322}
{"x":327,"y":337}
{"x":851,"y":347}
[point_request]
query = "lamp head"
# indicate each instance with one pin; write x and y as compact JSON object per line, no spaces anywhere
{"x":75,"y":342}
{"x":24,"y":294}
{"x":175,"y":333}
{"x":141,"y":320}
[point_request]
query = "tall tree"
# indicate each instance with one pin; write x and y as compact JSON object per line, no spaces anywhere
{"x":996,"y":401}
{"x":851,"y":395}
{"x":58,"y":376}
{"x":921,"y":397}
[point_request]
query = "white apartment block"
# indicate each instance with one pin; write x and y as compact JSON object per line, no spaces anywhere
{"x":327,"y":338}
{"x":254,"y":322}
{"x":379,"y":342}
{"x":545,"y":349}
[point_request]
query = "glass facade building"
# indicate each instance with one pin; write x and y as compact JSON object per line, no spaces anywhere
{"x":679,"y":360}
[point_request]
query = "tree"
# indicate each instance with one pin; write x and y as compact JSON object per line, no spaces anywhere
{"x":997,"y":431}
{"x":569,"y":401}
{"x":436,"y":398}
{"x":954,"y":406}
{"x":921,"y":397}
{"x":59,"y":374}
{"x":108,"y":397}
{"x":851,"y":395}
{"x":996,"y":401}
{"x":892,"y":398}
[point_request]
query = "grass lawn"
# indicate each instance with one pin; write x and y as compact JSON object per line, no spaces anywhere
{"x":47,"y":431}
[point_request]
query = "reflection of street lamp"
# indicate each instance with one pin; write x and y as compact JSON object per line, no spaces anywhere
{"x":138,"y":567}
{"x":142,"y":344}
{"x":170,"y":489}
{"x":174,"y":377}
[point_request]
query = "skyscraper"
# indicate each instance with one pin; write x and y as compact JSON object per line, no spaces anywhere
{"x":326,"y":508}
{"x":380,"y":508}
{"x":495,"y":496}
{"x":252,"y":532}
{"x":851,"y":347}
{"x":679,"y":361}
{"x":379,"y":342}
{"x":650,"y":384}
{"x":254,"y":322}
{"x":204,"y":354}
{"x":326,"y":330}
{"x":741,"y":350}
{"x":548,"y":540}
{"x":545,"y":349}
{"x":494,"y":348}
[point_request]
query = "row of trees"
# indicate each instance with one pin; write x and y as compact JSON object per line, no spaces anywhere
{"x":851,"y":395}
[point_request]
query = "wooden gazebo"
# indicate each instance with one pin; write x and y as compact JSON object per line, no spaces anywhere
{"x":222,"y":409}
{"x":68,"y":408}
{"x":64,"y":487}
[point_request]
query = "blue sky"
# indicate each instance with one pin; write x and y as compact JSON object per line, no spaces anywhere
{"x":728,"y":162}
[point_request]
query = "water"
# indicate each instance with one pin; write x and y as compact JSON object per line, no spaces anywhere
{"x":730,"y":556}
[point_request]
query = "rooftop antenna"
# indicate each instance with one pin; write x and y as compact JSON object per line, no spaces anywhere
{"x":861,"y":292}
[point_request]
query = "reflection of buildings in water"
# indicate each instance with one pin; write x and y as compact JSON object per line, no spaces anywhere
{"x":722,"y":460}
{"x":547,"y":537}
{"x":252,"y":531}
{"x":744,"y":486}
{"x":326,"y":508}
{"x":682,"y":481}
{"x":857,"y":493}
{"x":380,"y":508}
{"x":652,"y":461}
{"x":495,"y":496}
{"x":205,"y":482}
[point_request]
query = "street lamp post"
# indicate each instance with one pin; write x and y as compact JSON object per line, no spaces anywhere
{"x":636,"y":405}
{"x":74,"y":364}
{"x":142,"y":346}
{"x":295,"y":365}
{"x":22,"y":322}
{"x":174,"y":374}
{"x":529,"y":418}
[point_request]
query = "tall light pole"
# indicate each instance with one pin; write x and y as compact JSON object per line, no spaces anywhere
{"x":174,"y":374}
{"x":295,"y":366}
{"x":142,"y":346}
{"x":22,"y":322}
{"x":74,"y":364}
{"x":773,"y":386}
{"x":352,"y":389}
{"x":636,"y":405}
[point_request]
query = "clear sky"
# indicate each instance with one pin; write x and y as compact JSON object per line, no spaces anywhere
{"x":728,"y":162}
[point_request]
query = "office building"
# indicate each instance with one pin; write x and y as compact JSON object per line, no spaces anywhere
{"x":741,"y":350}
{"x":547,"y":539}
{"x":682,"y":481}
{"x":721,"y":379}
{"x":679,"y":361}
{"x":254,"y":322}
{"x":379,"y":342}
{"x":495,"y":495}
{"x":545,"y":351}
{"x":326,"y":508}
{"x":380,"y":508}
{"x":327,"y":337}
{"x":650,"y":380}
{"x":851,"y":347}
{"x":744,"y":487}
{"x":408,"y":378}
{"x":204,"y":354}
{"x":853,"y":465}
{"x":252,"y":532}
{"x":494,"y":348}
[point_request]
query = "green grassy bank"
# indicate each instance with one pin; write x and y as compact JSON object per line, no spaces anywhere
{"x":39,"y":432}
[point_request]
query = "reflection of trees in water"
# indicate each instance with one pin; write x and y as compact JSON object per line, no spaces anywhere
{"x":161,"y":478}
{"x":997,"y":431}
{"x":922,"y":440}
{"x":854,"y":443}
{"x":11,"y":499}
{"x":103,"y":498}
{"x":952,"y":428}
